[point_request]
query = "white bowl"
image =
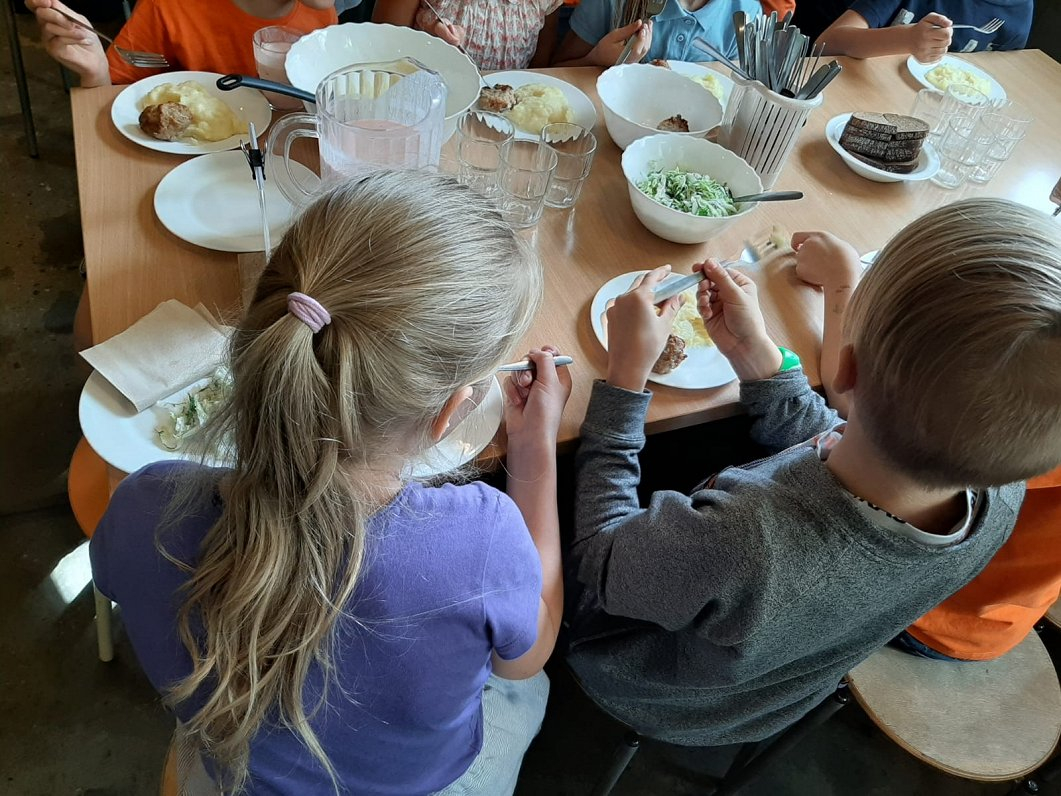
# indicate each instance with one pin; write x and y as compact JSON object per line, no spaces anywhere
{"x":637,"y":97}
{"x":670,"y":150}
{"x":316,"y":55}
{"x":927,"y":161}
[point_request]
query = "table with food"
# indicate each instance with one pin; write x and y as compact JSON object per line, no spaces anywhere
{"x":173,"y":209}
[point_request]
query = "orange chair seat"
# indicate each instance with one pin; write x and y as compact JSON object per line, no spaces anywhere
{"x":88,"y":487}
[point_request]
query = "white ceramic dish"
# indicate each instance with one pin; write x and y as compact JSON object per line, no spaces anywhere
{"x":249,"y":104}
{"x":126,"y":439}
{"x":669,"y":150}
{"x":705,"y":366}
{"x":689,"y":69}
{"x":919,"y":70}
{"x":213,"y":202}
{"x":868,"y":258}
{"x":316,"y":55}
{"x":637,"y":97}
{"x":582,"y":109}
{"x":927,"y":162}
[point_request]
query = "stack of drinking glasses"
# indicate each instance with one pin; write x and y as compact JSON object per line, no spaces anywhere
{"x":973,"y":135}
{"x":523,"y":175}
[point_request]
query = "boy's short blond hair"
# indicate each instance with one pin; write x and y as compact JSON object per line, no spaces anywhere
{"x":956,"y":331}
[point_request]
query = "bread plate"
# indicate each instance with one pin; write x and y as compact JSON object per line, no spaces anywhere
{"x":927,"y":161}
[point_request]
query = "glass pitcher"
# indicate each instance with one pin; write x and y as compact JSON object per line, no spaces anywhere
{"x":369,"y":116}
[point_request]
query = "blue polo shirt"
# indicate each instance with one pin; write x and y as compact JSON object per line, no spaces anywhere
{"x":673,"y":31}
{"x":1016,"y":14}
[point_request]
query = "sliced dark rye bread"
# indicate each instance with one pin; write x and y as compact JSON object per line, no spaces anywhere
{"x":873,"y":125}
{"x":890,"y":151}
{"x":908,"y":128}
{"x":886,"y":126}
{"x":900,"y":167}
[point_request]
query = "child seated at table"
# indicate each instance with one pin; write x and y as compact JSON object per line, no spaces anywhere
{"x":513,"y":34}
{"x":724,"y":616}
{"x":1000,"y":606}
{"x":193,"y":35}
{"x":923,"y":28}
{"x":600,"y":28}
{"x":319,"y":622}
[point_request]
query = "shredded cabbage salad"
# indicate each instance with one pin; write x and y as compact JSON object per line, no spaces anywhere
{"x":191,"y":414}
{"x":689,"y":192}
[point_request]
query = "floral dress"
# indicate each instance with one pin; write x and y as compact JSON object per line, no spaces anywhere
{"x":500,"y":34}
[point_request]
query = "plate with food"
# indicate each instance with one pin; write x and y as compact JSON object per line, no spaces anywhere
{"x":185,"y":113}
{"x":128,"y":440}
{"x":531,"y":100}
{"x":212,"y":201}
{"x":690,"y":360}
{"x":950,"y":70}
{"x":883,"y":147}
{"x":717,"y":83}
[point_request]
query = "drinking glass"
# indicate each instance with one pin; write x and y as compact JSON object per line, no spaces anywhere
{"x":962,"y":100}
{"x":1009,"y":122}
{"x":270,"y":54}
{"x":962,"y":147}
{"x":526,"y":170}
{"x":575,"y":147}
{"x":480,"y":138}
{"x":928,"y":107}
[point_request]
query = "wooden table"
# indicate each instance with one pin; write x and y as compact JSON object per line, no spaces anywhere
{"x":134,"y":263}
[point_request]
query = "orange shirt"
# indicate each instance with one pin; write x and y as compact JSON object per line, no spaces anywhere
{"x":201,"y":35}
{"x":780,"y":6}
{"x":996,"y":610}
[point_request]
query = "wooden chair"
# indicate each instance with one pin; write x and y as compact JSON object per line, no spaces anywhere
{"x":88,"y":488}
{"x":990,"y":721}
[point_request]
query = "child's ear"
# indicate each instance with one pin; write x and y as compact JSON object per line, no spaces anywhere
{"x":846,"y":370}
{"x":449,"y":413}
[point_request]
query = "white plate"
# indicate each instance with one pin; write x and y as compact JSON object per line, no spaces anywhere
{"x":705,"y":366}
{"x":919,"y":70}
{"x":927,"y":161}
{"x":583,"y":112}
{"x":212,"y":202}
{"x":248,"y":104}
{"x":126,"y":439}
{"x":868,"y":258}
{"x":699,"y":70}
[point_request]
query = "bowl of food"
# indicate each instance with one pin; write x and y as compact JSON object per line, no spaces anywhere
{"x":316,"y":55}
{"x":641,"y":100}
{"x":682,"y":188}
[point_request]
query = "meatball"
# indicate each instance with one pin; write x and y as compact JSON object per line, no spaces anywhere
{"x":166,"y":122}
{"x":673,"y":355}
{"x":498,"y":99}
{"x":675,"y":124}
{"x":660,"y":62}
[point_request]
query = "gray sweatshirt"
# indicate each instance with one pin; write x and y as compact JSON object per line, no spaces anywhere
{"x":725,"y":616}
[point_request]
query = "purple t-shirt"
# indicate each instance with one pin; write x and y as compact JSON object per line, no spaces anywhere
{"x":450,"y":574}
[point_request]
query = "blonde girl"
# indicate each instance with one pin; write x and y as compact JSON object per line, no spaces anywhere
{"x":319,"y":623}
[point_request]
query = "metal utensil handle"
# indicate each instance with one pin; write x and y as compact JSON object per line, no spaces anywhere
{"x":770,"y":196}
{"x":81,"y":24}
{"x":676,"y":286}
{"x":703,"y":44}
{"x":626,"y":50}
{"x":526,"y":364}
{"x":232,"y":82}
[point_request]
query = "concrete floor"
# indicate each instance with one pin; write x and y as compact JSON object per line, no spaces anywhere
{"x":71,"y":725}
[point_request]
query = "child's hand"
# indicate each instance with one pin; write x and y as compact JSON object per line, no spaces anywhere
{"x":728,"y":304}
{"x":75,"y":48}
{"x":823,"y":259}
{"x":930,"y":38}
{"x":608,"y":49}
{"x":535,"y":400}
{"x":442,"y":28}
{"x":638,"y":330}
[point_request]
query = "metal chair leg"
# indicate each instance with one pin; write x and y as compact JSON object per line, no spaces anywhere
{"x":735,"y":780}
{"x":621,"y":758}
{"x":104,"y":633}
{"x":20,"y":78}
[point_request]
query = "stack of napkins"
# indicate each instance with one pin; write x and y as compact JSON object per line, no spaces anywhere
{"x":166,"y":350}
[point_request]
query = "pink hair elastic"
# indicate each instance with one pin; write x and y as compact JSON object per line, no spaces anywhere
{"x":308,"y":310}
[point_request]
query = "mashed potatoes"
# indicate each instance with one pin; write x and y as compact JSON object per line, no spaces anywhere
{"x":688,"y":324}
{"x":711,"y":83}
{"x":538,"y":105}
{"x":945,"y":75}
{"x":212,"y":119}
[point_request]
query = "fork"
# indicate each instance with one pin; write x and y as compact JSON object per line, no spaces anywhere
{"x":651,"y":9}
{"x":141,"y":60}
{"x":439,"y":17}
{"x":991,"y":27}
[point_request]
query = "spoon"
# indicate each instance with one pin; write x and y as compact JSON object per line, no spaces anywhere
{"x":769,"y":196}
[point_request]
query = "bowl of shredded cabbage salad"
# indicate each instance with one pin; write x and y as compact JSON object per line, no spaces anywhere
{"x":682,"y":188}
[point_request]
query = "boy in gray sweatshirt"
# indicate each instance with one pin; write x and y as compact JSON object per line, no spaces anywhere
{"x":725,"y":616}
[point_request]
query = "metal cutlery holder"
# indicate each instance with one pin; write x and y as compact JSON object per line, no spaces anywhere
{"x":763,"y":126}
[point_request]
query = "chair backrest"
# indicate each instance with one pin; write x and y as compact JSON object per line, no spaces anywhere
{"x":988,"y":720}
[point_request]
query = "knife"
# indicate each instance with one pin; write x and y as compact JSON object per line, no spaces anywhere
{"x":256,"y":160}
{"x":675,"y":286}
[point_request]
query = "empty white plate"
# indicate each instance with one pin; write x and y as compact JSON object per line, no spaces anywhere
{"x":212,"y":201}
{"x":249,"y":104}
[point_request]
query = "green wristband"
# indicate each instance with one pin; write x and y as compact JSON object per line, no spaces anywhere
{"x":789,"y":360}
